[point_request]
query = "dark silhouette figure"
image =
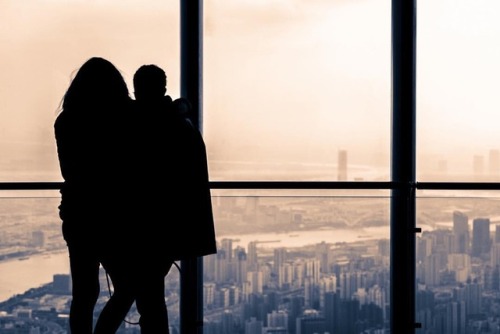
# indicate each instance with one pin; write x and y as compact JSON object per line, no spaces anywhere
{"x":171,"y":214}
{"x":176,"y":220}
{"x":89,"y":133}
{"x":177,"y":164}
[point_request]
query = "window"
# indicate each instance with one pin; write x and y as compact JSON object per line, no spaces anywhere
{"x":45,"y":42}
{"x":297,"y":91}
{"x":263,"y":44}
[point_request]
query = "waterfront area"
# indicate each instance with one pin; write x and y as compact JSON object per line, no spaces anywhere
{"x":20,"y":275}
{"x":282,"y":261}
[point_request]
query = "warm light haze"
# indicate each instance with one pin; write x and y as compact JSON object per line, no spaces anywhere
{"x":287,"y":84}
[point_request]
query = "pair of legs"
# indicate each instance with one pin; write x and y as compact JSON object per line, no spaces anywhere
{"x":84,"y":264}
{"x":134,"y":279}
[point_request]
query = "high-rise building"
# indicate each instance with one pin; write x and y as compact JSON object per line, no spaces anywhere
{"x":471,"y":294}
{"x":460,"y":264}
{"x":480,"y":236}
{"x":209,"y":267}
{"x":461,"y":236}
{"x":326,"y":284}
{"x":313,"y":270}
{"x":332,"y":311}
{"x":227,"y":245}
{"x":61,"y":284}
{"x":208,"y":294}
{"x":227,"y":323}
{"x":280,"y":257}
{"x":322,"y":254}
{"x":221,"y":266}
{"x":497,"y":233}
{"x":342,"y":165}
{"x":310,"y":323}
{"x":252,"y":255}
{"x":456,"y":318}
{"x":222,"y":297}
{"x":253,"y":326}
{"x":235,"y":295}
{"x":277,"y":319}
{"x":255,"y":278}
{"x":294,"y":311}
{"x":432,"y":268}
{"x":349,"y":315}
{"x":241,"y":265}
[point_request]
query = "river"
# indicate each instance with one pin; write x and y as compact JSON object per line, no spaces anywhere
{"x":20,"y":275}
{"x":17,"y":276}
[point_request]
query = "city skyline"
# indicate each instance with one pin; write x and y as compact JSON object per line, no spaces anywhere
{"x":277,"y":252}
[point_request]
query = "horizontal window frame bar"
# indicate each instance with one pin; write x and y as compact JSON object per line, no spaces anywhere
{"x":458,"y":185}
{"x":277,"y":185}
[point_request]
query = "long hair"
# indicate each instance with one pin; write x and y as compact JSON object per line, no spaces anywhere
{"x":98,"y":83}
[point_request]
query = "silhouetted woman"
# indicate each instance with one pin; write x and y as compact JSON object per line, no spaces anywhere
{"x":91,"y":146}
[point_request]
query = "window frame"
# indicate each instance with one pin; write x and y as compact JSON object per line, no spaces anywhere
{"x":403,"y":184}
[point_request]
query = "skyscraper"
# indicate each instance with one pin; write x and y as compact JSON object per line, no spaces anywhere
{"x":332,"y":311}
{"x":252,"y":255}
{"x":277,"y":319}
{"x":322,"y":253}
{"x":227,"y":245}
{"x":310,"y":322}
{"x":241,"y":265}
{"x":461,"y":238}
{"x":253,"y":326}
{"x":497,"y":233}
{"x":342,"y":165}
{"x":279,"y":258}
{"x":255,"y":278}
{"x":480,"y":236}
{"x":455,"y":317}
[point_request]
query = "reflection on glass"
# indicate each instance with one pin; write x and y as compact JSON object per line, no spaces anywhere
{"x":457,"y":263}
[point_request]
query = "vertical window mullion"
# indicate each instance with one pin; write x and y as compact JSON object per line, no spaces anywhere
{"x":191,"y":277}
{"x":403,"y":166}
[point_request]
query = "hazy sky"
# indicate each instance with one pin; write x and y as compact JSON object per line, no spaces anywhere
{"x":284,"y":80}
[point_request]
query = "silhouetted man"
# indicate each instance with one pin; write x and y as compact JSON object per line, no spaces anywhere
{"x":174,"y":212}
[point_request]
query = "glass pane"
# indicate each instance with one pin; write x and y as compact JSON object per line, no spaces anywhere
{"x":457,"y":99}
{"x":457,"y":261}
{"x":44,"y":42}
{"x":297,"y":90}
{"x":293,"y":262}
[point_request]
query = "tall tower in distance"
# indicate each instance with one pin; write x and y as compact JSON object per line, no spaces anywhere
{"x":480,"y":236}
{"x":461,"y":236}
{"x":342,"y":166}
